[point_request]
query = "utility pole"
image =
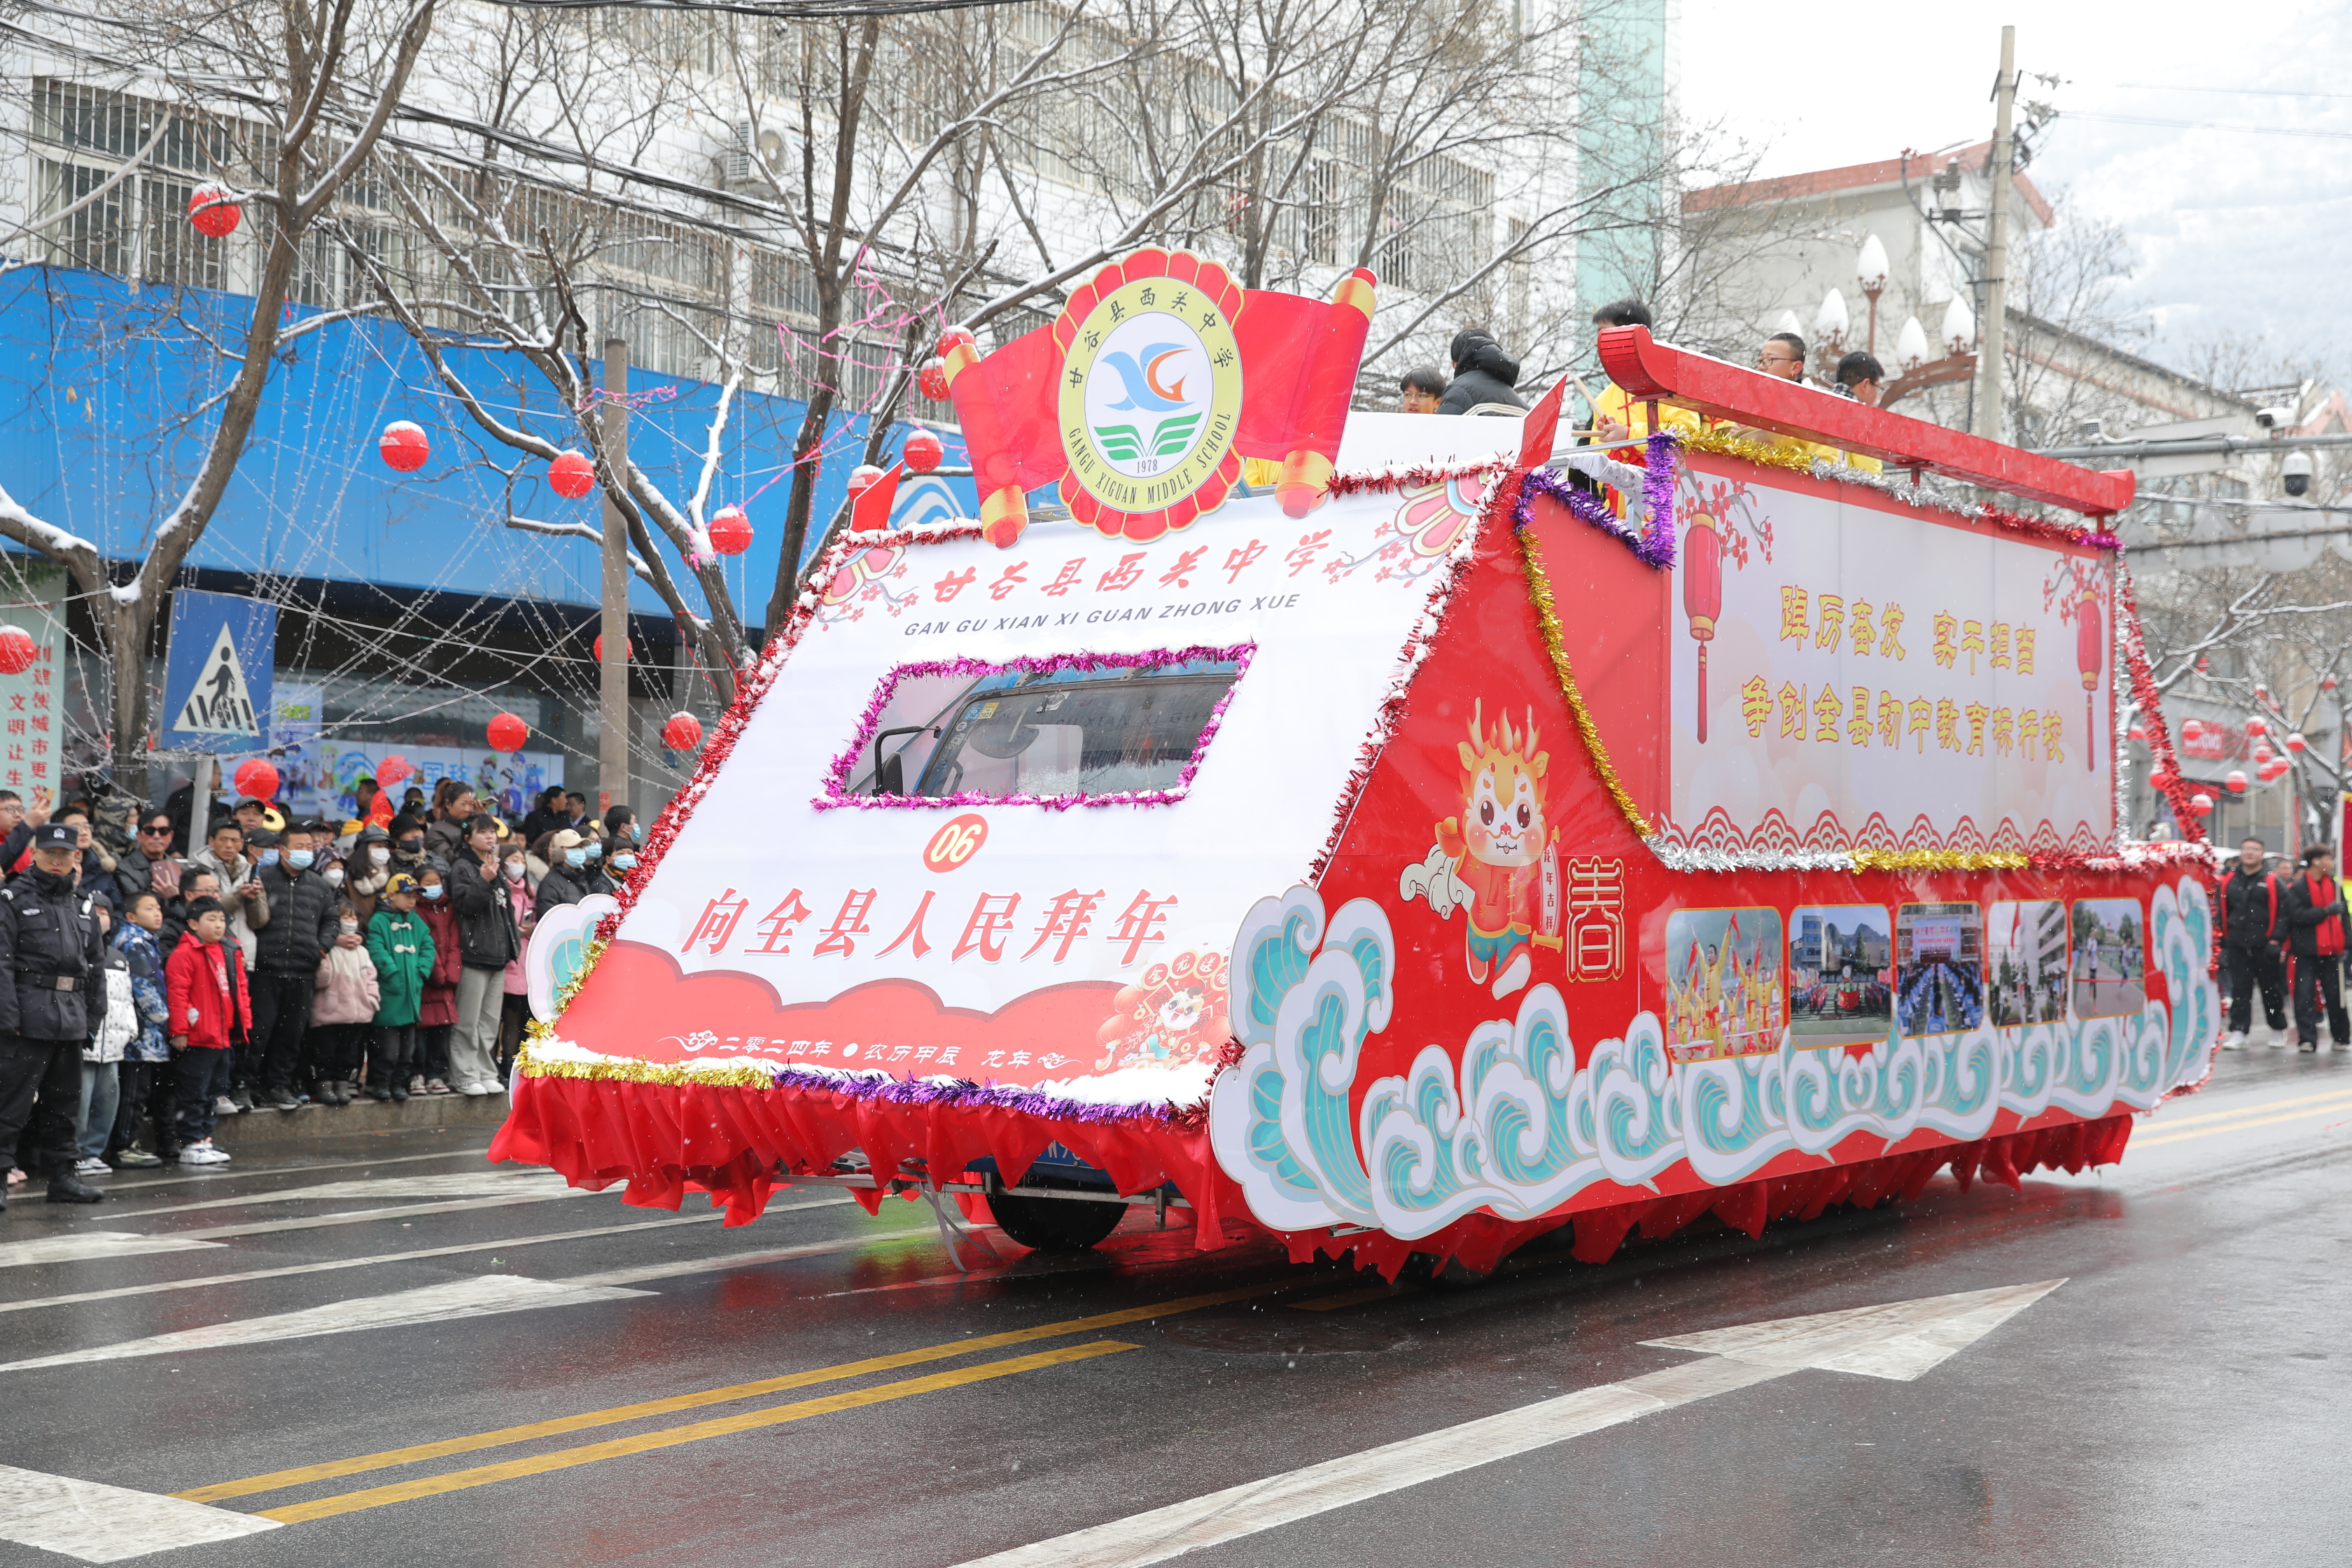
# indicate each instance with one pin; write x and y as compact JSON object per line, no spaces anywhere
{"x":613,"y":669}
{"x":1988,"y":421}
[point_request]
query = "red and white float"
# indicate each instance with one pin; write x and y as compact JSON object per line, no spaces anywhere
{"x":1710,"y":840}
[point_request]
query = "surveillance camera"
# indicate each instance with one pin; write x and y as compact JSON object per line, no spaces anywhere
{"x":2273,"y":418}
{"x":2296,"y":472}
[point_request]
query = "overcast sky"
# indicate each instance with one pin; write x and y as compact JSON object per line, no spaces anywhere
{"x":2219,"y":136}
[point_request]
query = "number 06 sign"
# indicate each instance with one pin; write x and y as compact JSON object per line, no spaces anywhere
{"x":956,"y":842}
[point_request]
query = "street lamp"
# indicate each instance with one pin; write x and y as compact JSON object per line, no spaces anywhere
{"x":1829,"y":334}
{"x":1959,"y":327}
{"x":1870,"y":272}
{"x":1910,"y":344}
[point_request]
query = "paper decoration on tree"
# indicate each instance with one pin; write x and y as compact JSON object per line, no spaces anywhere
{"x":508,"y":733}
{"x":403,"y":447}
{"x":214,"y":212}
{"x":571,"y":475}
{"x":924,"y":451}
{"x":17,"y":650}
{"x":730,"y":531}
{"x":683,"y":733}
{"x":256,"y":780}
{"x":1157,"y":378}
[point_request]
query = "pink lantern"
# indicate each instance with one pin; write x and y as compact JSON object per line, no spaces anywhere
{"x":2234,"y":781}
{"x":256,"y":780}
{"x":2295,"y":742}
{"x":17,"y":650}
{"x":508,"y":733}
{"x":683,"y":733}
{"x":571,"y":475}
{"x":730,"y":531}
{"x":924,"y":451}
{"x":403,"y":447}
{"x":212,"y":212}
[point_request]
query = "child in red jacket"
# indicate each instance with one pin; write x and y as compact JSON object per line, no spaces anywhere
{"x":438,"y":1011}
{"x":204,"y":983}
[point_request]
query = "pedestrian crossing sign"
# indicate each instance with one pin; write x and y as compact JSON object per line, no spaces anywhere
{"x":217,"y":681}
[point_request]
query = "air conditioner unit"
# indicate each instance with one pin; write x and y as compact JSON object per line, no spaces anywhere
{"x":736,"y":163}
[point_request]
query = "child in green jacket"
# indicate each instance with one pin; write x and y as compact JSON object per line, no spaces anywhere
{"x":402,"y":946}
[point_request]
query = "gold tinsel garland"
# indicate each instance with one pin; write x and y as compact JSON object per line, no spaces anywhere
{"x":1939,"y":860}
{"x":1547,"y":617}
{"x":1766,"y":454}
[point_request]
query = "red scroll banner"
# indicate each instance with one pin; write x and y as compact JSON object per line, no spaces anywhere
{"x":1142,"y":398}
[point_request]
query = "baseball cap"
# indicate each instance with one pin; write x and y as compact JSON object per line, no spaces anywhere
{"x":402,"y":882}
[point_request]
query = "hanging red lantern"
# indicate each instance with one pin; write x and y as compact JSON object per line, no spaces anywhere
{"x":2256,"y":726}
{"x":730,"y":531}
{"x":2295,"y":742}
{"x":683,"y":733}
{"x":2160,"y":779}
{"x":2139,"y":731}
{"x":2263,"y":754}
{"x":2090,"y":657}
{"x":924,"y":451}
{"x":2261,"y":692}
{"x":17,"y":650}
{"x":2327,"y":683}
{"x":2190,"y":729}
{"x":256,"y":780}
{"x":2204,"y":665}
{"x":392,"y":770}
{"x":1702,"y":595}
{"x":571,"y":475}
{"x":508,"y":733}
{"x":2201,"y":804}
{"x":955,"y":338}
{"x":933,"y":379}
{"x":628,"y":649}
{"x":403,"y":447}
{"x":861,"y":477}
{"x":2234,"y":781}
{"x":212,"y":212}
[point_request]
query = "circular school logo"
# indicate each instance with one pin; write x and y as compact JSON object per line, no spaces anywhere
{"x":1151,"y":393}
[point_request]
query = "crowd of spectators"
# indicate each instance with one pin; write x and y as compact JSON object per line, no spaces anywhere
{"x":282,"y":963}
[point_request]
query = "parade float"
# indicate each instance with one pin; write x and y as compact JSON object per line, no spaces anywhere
{"x":1456,"y":833}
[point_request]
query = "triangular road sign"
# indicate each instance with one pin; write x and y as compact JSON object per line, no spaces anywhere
{"x":221,"y":702}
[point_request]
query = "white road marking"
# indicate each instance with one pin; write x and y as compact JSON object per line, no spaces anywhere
{"x":81,"y":1245}
{"x":1901,"y":1340}
{"x":219,"y":1173}
{"x":200,"y":1281}
{"x":99,"y":1523}
{"x":355,"y":1216}
{"x":456,"y":1185}
{"x":476,"y":1297}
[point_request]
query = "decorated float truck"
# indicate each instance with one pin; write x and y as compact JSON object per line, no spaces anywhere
{"x":1418,"y":850}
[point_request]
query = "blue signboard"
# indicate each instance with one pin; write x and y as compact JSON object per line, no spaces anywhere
{"x":217,"y":673}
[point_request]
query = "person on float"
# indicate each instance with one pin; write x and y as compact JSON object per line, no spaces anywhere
{"x":2314,"y":914}
{"x":1421,"y":389}
{"x":50,"y":958}
{"x":2252,"y":939}
{"x":1618,"y":416}
{"x":1484,"y":377}
{"x":1861,"y":377}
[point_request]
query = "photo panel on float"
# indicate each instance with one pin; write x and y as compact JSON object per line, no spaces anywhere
{"x":1841,"y":975}
{"x":1724,"y":986}
{"x":2025,"y":961}
{"x":1938,"y":968}
{"x":2109,"y":965}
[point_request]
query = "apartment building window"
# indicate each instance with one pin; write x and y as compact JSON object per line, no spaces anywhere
{"x":83,"y":138}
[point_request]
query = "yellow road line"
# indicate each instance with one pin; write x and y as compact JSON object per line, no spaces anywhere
{"x":670,"y":1437}
{"x":2167,"y":1123}
{"x":277,"y":1479}
{"x":2236,"y":1126}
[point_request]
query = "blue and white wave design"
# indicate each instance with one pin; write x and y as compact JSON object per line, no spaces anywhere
{"x":1518,"y":1129}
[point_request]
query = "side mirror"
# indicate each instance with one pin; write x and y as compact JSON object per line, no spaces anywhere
{"x":892,"y":777}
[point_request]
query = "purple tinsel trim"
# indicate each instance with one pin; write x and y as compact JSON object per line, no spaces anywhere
{"x":836,"y":778}
{"x":976,"y":1096}
{"x":1655,"y":544}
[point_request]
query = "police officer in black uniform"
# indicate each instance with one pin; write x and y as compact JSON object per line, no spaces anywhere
{"x":50,"y":962}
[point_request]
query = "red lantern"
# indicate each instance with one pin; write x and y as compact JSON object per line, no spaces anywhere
{"x":628,"y":649}
{"x":2090,"y":657}
{"x":211,"y":213}
{"x":2261,"y":692}
{"x":392,"y":770}
{"x":683,"y":733}
{"x":2328,"y":684}
{"x":402,"y":446}
{"x":730,"y":531}
{"x":1702,"y":595}
{"x":2201,"y":804}
{"x":508,"y":733}
{"x":2255,"y":726}
{"x":933,"y":379}
{"x":17,"y":650}
{"x":861,"y":477}
{"x":2139,"y":731}
{"x":256,"y":780}
{"x":951,"y":340}
{"x":2295,"y":742}
{"x":2234,"y":781}
{"x":571,"y":475}
{"x":2262,"y":753}
{"x":2204,"y":665}
{"x":2190,"y":729}
{"x":924,"y":451}
{"x":2162,"y":780}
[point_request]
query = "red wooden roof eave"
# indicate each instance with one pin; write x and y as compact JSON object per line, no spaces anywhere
{"x":1645,"y":368}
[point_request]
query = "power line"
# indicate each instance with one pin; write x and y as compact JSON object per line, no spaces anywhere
{"x":2209,"y":125}
{"x":2234,"y":92}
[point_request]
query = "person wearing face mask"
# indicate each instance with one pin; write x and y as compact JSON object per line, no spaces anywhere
{"x":343,"y":1011}
{"x":367,"y":869}
{"x":486,"y":927}
{"x":305,"y":921}
{"x":620,"y":848}
{"x":437,"y":1013}
{"x":49,"y":962}
{"x":566,"y":882}
{"x":522,"y":901}
{"x":407,"y":836}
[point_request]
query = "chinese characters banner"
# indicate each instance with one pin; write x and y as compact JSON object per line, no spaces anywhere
{"x":1861,"y":674}
{"x":32,"y":705}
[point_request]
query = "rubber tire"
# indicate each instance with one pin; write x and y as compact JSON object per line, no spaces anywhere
{"x":1055,"y":1225}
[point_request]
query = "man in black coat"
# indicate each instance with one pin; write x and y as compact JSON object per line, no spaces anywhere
{"x":147,"y":866}
{"x":1483,"y":374}
{"x":2251,"y":934}
{"x":305,"y":919}
{"x":487,"y":933}
{"x":2314,"y":914}
{"x":49,"y":963}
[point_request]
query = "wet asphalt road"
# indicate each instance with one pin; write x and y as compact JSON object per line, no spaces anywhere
{"x":2181,"y":1399}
